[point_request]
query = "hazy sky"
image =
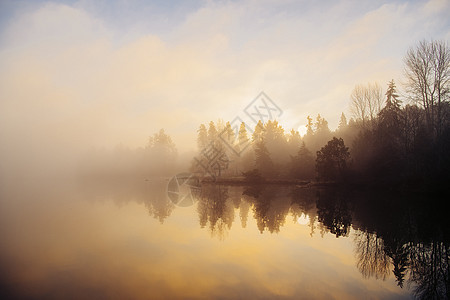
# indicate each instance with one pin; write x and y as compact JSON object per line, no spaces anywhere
{"x":79,"y":73}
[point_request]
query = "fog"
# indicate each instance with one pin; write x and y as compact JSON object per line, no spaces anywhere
{"x":74,"y":77}
{"x":219,"y":149}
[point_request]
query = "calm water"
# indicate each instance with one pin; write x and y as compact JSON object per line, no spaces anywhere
{"x":118,"y":240}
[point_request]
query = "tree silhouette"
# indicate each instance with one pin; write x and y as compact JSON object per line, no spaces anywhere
{"x":215,"y":211}
{"x":302,"y":165}
{"x":427,"y":69}
{"x":342,"y":122}
{"x":366,"y":103}
{"x":161,"y":153}
{"x":263,"y":161}
{"x":309,"y":126}
{"x":258,"y":132}
{"x":243,"y":139}
{"x":294,"y":141}
{"x":212,"y":132}
{"x":334,"y":212}
{"x":331,"y":161}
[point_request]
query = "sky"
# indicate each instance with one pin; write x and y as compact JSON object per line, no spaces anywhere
{"x":76,"y":74}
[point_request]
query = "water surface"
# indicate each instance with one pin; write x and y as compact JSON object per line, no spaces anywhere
{"x":127,"y":240}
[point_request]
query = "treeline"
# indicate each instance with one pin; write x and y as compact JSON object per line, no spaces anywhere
{"x":268,"y":149}
{"x":387,"y":140}
{"x":159,"y":157}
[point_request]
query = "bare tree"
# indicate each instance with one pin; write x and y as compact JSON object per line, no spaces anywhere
{"x":427,"y":70}
{"x":374,"y":99}
{"x":366,"y":102}
{"x":358,"y":105}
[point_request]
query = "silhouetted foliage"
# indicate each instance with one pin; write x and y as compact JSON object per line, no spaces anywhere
{"x":334,"y":212}
{"x":331,"y":161}
{"x":263,"y":161}
{"x":427,"y":69}
{"x":302,"y":165}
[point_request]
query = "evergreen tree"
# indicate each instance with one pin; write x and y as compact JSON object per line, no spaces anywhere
{"x":390,"y":119}
{"x":309,"y":126}
{"x":212,"y":132}
{"x":229,"y":134}
{"x":161,"y":143}
{"x":263,"y":161}
{"x":275,"y":141}
{"x":294,"y":141}
{"x":342,"y":122}
{"x":302,"y":164}
{"x":243,"y":136}
{"x":391,"y":95}
{"x":258,"y":132}
{"x":161,"y":152}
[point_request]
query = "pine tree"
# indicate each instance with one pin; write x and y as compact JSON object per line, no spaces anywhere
{"x":342,"y":122}
{"x":391,"y":96}
{"x":390,"y":115}
{"x":162,"y":152}
{"x":229,"y":134}
{"x":309,"y":126}
{"x":321,"y":125}
{"x":258,"y":132}
{"x":303,"y":163}
{"x":243,"y":137}
{"x":263,"y":161}
{"x":294,"y":141}
{"x":212,"y":132}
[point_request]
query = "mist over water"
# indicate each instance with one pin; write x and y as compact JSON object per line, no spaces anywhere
{"x":128,"y":240}
{"x":224,"y":150}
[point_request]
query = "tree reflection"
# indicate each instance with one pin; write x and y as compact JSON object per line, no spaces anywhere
{"x":152,"y":193}
{"x":304,"y":202}
{"x":399,"y":258}
{"x":394,"y":235}
{"x":334,"y":211}
{"x":270,"y":207}
{"x":244,"y":208}
{"x":214,"y":209}
{"x":430,"y":270}
{"x":158,"y":204}
{"x":372,"y":259}
{"x":408,"y":235}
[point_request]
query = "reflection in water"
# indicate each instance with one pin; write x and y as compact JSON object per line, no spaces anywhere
{"x":152,"y":193}
{"x":158,"y":204}
{"x":372,"y":259}
{"x":270,"y":208}
{"x":214,"y":210}
{"x":385,"y":241}
{"x":334,"y":211}
{"x":408,"y":235}
{"x":429,"y":269}
{"x":393,"y":236}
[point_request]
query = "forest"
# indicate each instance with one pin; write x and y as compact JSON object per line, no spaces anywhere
{"x":392,"y":138}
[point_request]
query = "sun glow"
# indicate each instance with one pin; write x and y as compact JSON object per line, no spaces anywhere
{"x":302,"y":130}
{"x":303,"y":219}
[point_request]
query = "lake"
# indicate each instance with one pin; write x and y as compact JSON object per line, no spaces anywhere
{"x":126,"y":239}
